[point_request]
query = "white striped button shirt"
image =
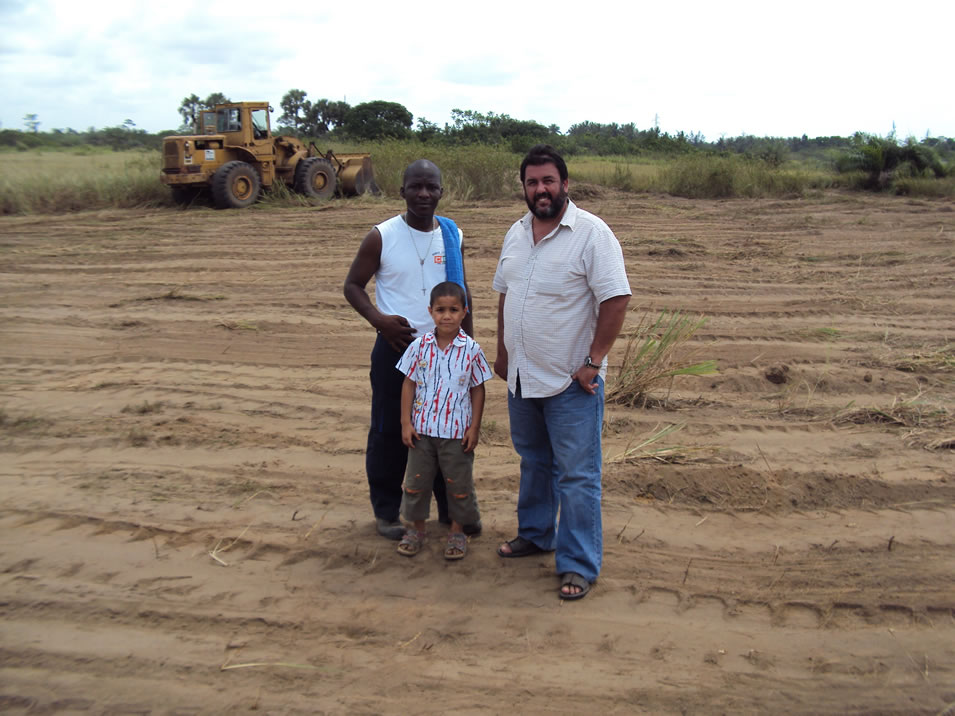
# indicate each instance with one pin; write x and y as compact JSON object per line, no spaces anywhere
{"x":554,"y":290}
{"x":443,"y":382}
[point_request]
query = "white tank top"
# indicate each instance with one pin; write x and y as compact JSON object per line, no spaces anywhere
{"x":412,"y":263}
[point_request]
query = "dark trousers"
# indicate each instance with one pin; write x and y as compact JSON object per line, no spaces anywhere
{"x":386,"y":456}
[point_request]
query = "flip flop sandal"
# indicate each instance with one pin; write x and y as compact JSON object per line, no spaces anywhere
{"x":572,"y":579}
{"x":520,"y":547}
{"x":457,"y":546}
{"x":411,"y":543}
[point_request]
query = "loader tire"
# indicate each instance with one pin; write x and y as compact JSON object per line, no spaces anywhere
{"x":315,"y":177}
{"x":235,"y":185}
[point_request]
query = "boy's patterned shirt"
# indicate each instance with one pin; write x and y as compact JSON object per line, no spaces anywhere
{"x":443,"y":380}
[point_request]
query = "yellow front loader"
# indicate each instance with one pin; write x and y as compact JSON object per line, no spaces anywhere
{"x":234,"y":155}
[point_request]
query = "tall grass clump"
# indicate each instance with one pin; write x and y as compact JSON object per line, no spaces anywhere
{"x":655,"y":354}
{"x":468,"y":171}
{"x":709,"y":176}
{"x":924,"y":186}
{"x":624,"y":173}
{"x":54,"y":182}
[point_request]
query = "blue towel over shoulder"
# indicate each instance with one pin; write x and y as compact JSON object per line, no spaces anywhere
{"x":453,"y":262}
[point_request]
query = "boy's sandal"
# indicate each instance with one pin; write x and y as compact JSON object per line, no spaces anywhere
{"x":457,"y":546}
{"x":411,"y":543}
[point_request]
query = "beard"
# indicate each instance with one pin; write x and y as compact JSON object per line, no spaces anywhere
{"x":556,"y":204}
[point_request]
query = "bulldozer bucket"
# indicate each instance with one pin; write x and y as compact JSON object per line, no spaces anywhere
{"x":356,"y":175}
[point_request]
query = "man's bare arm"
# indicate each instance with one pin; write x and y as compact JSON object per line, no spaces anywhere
{"x":500,"y":361}
{"x":395,"y":329}
{"x":612,"y":313}
{"x":468,"y":323}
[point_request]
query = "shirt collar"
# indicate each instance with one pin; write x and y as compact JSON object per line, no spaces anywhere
{"x":459,"y":340}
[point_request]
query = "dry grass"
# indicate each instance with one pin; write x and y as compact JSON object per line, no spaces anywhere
{"x":624,"y":173}
{"x":22,"y":424}
{"x":647,"y":449}
{"x":237,"y":325}
{"x":144,"y":408}
{"x":655,"y":354}
{"x":941,"y":360}
{"x":40,"y":182}
{"x":493,"y":433}
{"x":923,"y":423}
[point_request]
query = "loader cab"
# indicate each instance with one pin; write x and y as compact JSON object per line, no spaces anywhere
{"x":229,"y":119}
{"x":245,"y":124}
{"x":260,"y":123}
{"x":208,"y":122}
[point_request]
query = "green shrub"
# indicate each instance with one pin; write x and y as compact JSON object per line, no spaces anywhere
{"x":880,"y":163}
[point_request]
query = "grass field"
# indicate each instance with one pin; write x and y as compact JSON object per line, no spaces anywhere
{"x":38,"y":182}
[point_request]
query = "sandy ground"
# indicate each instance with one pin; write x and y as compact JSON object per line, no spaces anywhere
{"x":185,"y":525}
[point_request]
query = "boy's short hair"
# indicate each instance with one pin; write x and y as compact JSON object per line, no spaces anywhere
{"x":449,"y":288}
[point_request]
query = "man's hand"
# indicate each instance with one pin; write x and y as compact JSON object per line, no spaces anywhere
{"x":409,"y":435}
{"x":587,"y":377}
{"x":471,"y":437}
{"x":397,"y":331}
{"x":500,"y":365}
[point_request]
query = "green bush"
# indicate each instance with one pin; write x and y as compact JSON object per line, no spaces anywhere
{"x":880,"y":163}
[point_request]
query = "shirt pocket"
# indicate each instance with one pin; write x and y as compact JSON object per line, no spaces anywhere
{"x":547,"y":284}
{"x":459,"y":378}
{"x":557,"y":281}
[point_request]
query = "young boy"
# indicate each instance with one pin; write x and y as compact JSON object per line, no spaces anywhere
{"x":442,"y":400}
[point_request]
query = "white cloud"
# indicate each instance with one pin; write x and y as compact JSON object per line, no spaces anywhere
{"x":726,"y":68}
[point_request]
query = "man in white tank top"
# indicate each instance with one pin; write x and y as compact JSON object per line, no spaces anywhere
{"x":406,"y":256}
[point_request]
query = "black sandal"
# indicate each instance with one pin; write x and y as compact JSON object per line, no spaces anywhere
{"x":520,"y":547}
{"x":572,"y":579}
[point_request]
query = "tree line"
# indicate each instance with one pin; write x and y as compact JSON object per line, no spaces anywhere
{"x":331,"y":120}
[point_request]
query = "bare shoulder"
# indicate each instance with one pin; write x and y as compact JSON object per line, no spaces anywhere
{"x":367,"y":260}
{"x":372,"y":241}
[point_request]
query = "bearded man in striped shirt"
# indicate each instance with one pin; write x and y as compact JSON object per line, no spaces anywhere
{"x":564,"y":295}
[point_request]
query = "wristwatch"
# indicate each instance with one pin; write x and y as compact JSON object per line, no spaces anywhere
{"x":590,"y":364}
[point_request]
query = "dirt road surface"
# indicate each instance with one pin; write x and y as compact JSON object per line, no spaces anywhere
{"x":185,"y":526}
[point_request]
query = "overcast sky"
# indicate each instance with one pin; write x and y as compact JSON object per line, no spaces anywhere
{"x":721,"y":68}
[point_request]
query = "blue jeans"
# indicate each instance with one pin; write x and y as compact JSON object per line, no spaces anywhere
{"x":558,"y":440}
